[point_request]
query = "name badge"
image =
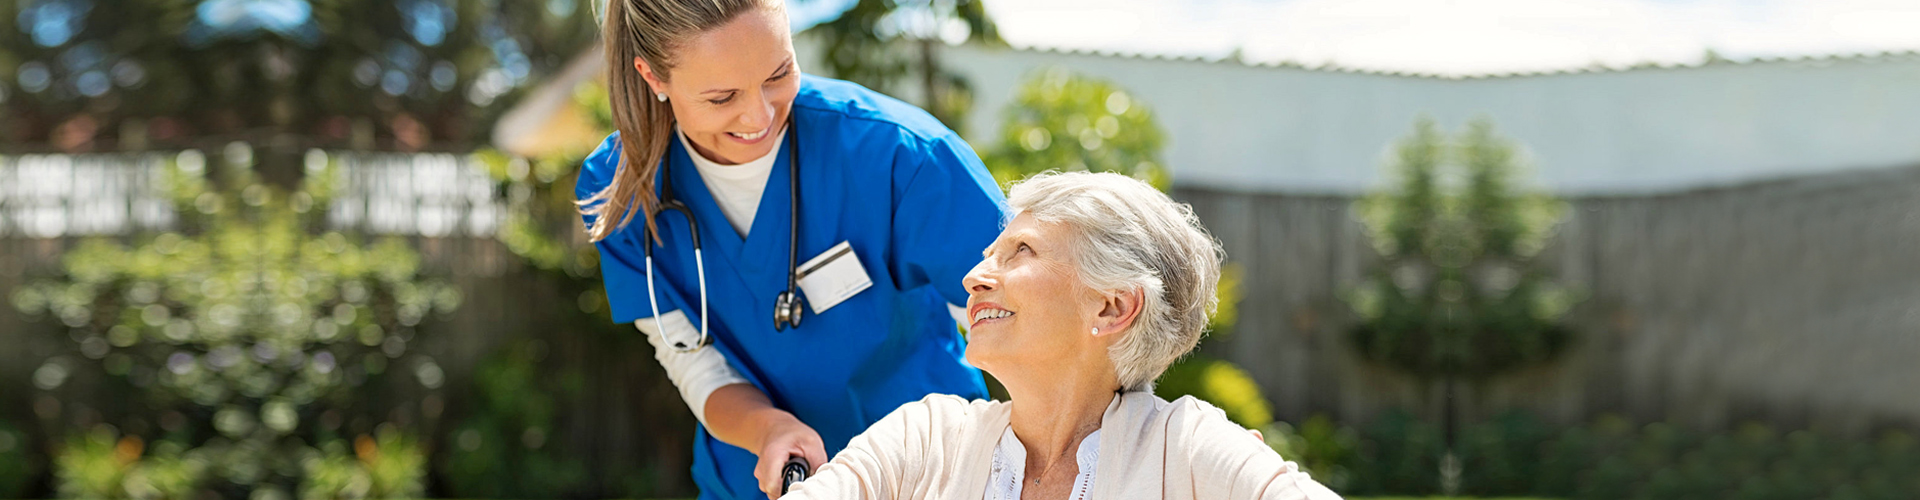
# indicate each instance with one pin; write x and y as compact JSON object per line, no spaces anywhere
{"x":832,"y":277}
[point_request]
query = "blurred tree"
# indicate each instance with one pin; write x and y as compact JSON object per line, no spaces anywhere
{"x":247,"y":335}
{"x":879,"y":43}
{"x":1060,"y":120}
{"x":408,"y":74}
{"x":1457,"y":294}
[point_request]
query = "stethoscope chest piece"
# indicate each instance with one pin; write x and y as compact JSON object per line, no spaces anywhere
{"x":786,"y":311}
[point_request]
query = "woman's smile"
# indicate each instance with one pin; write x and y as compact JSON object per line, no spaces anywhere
{"x":752,"y":137}
{"x":988,"y":313}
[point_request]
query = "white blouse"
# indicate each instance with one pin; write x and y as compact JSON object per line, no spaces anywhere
{"x":1010,"y":467}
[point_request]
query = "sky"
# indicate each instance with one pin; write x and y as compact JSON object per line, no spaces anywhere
{"x":1463,"y":37}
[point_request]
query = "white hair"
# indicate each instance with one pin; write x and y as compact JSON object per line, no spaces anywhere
{"x":1129,"y":236}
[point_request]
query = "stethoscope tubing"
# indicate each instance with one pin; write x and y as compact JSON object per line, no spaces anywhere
{"x":788,"y":302}
{"x":700,"y":265}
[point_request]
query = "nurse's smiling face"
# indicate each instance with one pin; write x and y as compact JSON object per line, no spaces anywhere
{"x":1030,"y":317}
{"x":731,"y":88}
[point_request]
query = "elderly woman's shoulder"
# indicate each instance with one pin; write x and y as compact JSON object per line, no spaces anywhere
{"x":1223,"y":455}
{"x":1186,"y":421}
{"x":948,"y":403}
{"x":1192,"y":421}
{"x":1183,"y":409}
{"x":947,"y":414}
{"x":1193,"y":407}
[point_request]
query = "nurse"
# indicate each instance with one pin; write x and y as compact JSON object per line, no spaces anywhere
{"x":792,"y":246}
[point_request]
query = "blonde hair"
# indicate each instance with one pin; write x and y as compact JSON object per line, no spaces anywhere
{"x":651,"y":30}
{"x":1130,"y":236}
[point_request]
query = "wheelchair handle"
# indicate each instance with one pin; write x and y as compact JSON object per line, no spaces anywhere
{"x":795,"y":471}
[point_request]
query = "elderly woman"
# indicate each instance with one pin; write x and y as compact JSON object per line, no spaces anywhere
{"x":1097,"y":284}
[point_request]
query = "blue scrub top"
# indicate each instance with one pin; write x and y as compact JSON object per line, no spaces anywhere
{"x":917,"y":206}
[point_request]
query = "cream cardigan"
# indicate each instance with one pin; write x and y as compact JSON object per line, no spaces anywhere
{"x":942,"y":447}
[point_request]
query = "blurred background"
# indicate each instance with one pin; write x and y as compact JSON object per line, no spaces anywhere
{"x":1596,"y":249}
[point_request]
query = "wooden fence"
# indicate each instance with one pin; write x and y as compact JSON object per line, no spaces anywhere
{"x":1793,"y":301}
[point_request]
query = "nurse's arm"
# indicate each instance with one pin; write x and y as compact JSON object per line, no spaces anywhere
{"x":733,"y":410}
{"x":742,"y":416}
{"x":696,"y":374}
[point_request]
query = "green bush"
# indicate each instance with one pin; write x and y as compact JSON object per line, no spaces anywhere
{"x":1323,"y":449}
{"x":250,"y":320}
{"x":15,"y":465}
{"x":501,"y":451}
{"x":92,"y":465}
{"x":102,"y":464}
{"x":389,"y":464}
{"x":169,"y":471}
{"x":1515,"y":454}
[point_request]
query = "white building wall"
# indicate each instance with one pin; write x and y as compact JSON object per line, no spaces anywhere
{"x":1279,"y":129}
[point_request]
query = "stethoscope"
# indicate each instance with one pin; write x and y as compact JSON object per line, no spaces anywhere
{"x":786,"y":306}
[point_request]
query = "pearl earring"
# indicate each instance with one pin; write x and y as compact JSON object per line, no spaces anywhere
{"x":662,"y":96}
{"x":1096,"y":331}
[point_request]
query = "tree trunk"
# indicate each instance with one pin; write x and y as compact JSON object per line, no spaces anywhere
{"x":930,"y":81}
{"x":1450,"y":466}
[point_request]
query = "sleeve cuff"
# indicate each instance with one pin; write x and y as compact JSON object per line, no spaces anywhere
{"x":696,"y":374}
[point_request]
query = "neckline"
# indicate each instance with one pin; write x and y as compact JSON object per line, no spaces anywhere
{"x":752,"y":254}
{"x":1085,"y":454}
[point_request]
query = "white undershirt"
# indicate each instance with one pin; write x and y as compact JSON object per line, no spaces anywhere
{"x":737,"y":188}
{"x":1010,"y":467}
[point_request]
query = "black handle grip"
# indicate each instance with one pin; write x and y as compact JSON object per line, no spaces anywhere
{"x":795,"y":471}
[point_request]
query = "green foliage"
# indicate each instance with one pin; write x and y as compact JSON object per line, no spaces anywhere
{"x":395,"y":461}
{"x":1323,"y":449}
{"x":93,"y":465}
{"x":879,"y":43}
{"x":246,"y":320}
{"x":334,"y":473}
{"x":1060,"y":120}
{"x":1218,"y":382}
{"x":391,"y":465}
{"x":168,"y":471}
{"x":1515,"y":454}
{"x":1457,"y":293}
{"x":1445,"y":498}
{"x":501,"y":452}
{"x":407,"y":73}
{"x":102,"y":464}
{"x":15,"y":465}
{"x":1229,"y":293}
{"x":543,"y":224}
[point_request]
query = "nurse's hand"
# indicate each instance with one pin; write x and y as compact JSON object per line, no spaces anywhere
{"x":784,"y":438}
